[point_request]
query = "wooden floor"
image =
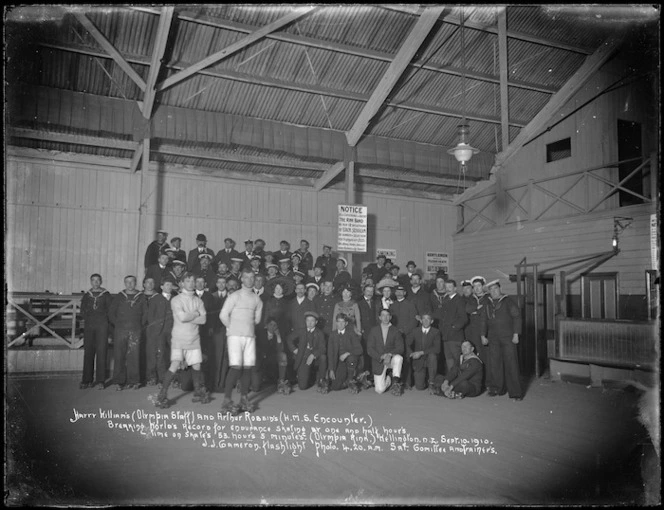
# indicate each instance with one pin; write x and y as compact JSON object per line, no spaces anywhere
{"x":563,"y":444}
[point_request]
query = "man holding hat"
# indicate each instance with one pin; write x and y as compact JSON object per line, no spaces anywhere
{"x":307,"y":345}
{"x":344,"y":351}
{"x":155,"y":248}
{"x":306,"y":258}
{"x":178,"y":252}
{"x":226,"y":254}
{"x":327,"y":262}
{"x":248,"y":253}
{"x":501,"y":327}
{"x":193,"y":262}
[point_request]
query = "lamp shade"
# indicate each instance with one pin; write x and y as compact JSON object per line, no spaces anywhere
{"x":463,"y":150}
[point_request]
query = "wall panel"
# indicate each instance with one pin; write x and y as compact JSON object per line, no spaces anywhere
{"x":66,"y":221}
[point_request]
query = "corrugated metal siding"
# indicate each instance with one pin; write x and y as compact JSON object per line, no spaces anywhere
{"x":553,"y":239}
{"x":66,"y":222}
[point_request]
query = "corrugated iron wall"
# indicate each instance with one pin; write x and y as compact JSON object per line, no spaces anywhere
{"x":67,"y":220}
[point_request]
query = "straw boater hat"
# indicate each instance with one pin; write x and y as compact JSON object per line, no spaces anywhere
{"x":314,"y":285}
{"x":386,"y":282}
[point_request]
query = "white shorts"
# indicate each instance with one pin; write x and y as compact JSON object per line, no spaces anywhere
{"x":191,"y":356}
{"x":241,"y":351}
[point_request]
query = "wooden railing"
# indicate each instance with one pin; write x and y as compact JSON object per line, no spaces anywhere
{"x":522,"y":196}
{"x":30,"y":314}
{"x":628,"y":344}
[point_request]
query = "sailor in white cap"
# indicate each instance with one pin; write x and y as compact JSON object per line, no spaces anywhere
{"x":284,"y":268}
{"x":343,"y":276}
{"x":501,"y":327}
{"x":475,"y":305}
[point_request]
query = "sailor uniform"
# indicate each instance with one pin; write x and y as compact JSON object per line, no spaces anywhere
{"x":94,"y":310}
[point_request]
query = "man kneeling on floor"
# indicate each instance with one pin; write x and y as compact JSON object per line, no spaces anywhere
{"x":465,"y":377}
{"x":188,"y":314}
{"x":385,"y":347}
{"x":344,"y":349}
{"x":423,"y":348}
{"x":308,"y":347}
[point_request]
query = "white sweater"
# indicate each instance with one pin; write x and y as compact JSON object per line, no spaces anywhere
{"x":188,"y":314}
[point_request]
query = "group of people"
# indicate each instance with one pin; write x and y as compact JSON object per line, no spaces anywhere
{"x":217,"y":322}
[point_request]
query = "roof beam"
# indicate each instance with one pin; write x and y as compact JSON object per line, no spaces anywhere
{"x":157,"y":54}
{"x":235,"y":47}
{"x":136,"y":158}
{"x":504,"y":93}
{"x":110,"y":49}
{"x":348,"y":50}
{"x":405,"y":54}
{"x":329,"y":174}
{"x":589,"y":67}
{"x":306,"y":88}
{"x":402,"y":176}
{"x":95,"y":141}
{"x":511,"y":34}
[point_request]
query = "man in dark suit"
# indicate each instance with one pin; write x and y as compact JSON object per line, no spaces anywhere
{"x":158,"y":333}
{"x":193,"y":262}
{"x":422,"y":349}
{"x":307,"y":345}
{"x":284,"y":251}
{"x":226,"y":254}
{"x":178,"y":252}
{"x":369,"y":306}
{"x":217,"y":359}
{"x":385,"y":347}
{"x":158,"y":272}
{"x":247,"y":254}
{"x":306,"y":258}
{"x":299,"y":306}
{"x":377,"y":270}
{"x":418,"y":295}
{"x":155,"y":248}
{"x":403,"y":312}
{"x":206,"y":272}
{"x":327,"y":262}
{"x":454,"y":319}
{"x":344,"y":351}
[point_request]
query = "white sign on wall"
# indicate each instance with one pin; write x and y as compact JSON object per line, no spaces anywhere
{"x":435,"y":261}
{"x":388,"y":252}
{"x":352,"y":228}
{"x":653,"y":241}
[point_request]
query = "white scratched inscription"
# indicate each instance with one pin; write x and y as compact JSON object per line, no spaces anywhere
{"x":292,"y":433}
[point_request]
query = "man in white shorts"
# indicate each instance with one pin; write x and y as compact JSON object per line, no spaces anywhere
{"x":188,"y":314}
{"x":240,"y":314}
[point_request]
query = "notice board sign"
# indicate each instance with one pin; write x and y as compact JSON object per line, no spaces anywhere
{"x":388,"y":252}
{"x":653,"y":241}
{"x":352,"y":229}
{"x":435,"y":261}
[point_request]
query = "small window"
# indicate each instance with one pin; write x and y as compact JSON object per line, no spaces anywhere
{"x":559,"y":150}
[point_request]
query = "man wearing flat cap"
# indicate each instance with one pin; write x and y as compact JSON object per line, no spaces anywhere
{"x":327,"y":262}
{"x":307,"y":344}
{"x":306,"y":258}
{"x":501,"y":327}
{"x":178,"y":253}
{"x":193,"y":262}
{"x":155,"y":248}
{"x":225,"y":254}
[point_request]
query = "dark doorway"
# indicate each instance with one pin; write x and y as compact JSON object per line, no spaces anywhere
{"x":629,"y":146}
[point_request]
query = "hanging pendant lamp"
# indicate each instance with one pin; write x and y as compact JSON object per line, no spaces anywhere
{"x":463,"y":150}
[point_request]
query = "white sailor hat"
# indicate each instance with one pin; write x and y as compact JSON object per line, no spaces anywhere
{"x":478,"y":278}
{"x":493,"y":282}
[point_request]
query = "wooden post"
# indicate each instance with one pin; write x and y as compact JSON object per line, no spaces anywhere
{"x":654,"y":174}
{"x":504,"y":93}
{"x":142,"y":208}
{"x":350,"y":198}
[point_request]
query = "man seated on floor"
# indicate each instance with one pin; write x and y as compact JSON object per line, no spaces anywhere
{"x":465,"y":377}
{"x":344,"y":350}
{"x":385,"y":347}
